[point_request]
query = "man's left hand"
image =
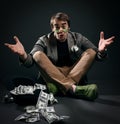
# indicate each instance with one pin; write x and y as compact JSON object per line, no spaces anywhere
{"x":103,"y":43}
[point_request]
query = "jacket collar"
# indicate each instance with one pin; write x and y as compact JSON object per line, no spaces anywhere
{"x":52,"y":42}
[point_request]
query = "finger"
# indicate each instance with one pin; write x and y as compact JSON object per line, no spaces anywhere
{"x":113,"y":37}
{"x":101,"y":35}
{"x":7,"y":44}
{"x":110,"y":39}
{"x":16,"y":39}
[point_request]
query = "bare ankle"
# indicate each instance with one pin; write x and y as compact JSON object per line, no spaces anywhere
{"x":73,"y":87}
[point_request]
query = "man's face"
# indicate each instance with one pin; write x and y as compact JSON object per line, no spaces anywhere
{"x":60,"y":29}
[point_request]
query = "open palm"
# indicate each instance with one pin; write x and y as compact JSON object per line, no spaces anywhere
{"x":17,"y":47}
{"x":103,"y":43}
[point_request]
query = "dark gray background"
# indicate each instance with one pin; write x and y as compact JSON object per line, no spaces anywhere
{"x":29,"y":19}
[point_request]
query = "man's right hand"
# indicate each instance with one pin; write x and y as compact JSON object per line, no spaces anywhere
{"x":17,"y":48}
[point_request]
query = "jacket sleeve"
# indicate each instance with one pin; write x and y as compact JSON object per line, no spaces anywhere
{"x":101,"y":56}
{"x":28,"y":62}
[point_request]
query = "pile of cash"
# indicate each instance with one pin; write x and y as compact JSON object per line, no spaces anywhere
{"x":43,"y":107}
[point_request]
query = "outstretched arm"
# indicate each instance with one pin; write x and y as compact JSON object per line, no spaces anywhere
{"x":17,"y":48}
{"x":104,"y":43}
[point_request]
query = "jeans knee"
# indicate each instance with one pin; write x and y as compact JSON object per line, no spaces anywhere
{"x":37,"y":55}
{"x":90,"y":52}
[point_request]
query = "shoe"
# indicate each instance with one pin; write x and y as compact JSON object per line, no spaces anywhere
{"x":52,"y":88}
{"x":87,"y":91}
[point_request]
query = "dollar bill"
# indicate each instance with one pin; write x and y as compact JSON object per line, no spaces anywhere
{"x":52,"y":99}
{"x":42,"y":101}
{"x":21,"y":90}
{"x":50,"y":109}
{"x":33,"y":117}
{"x":50,"y":117}
{"x":22,"y":117}
{"x":39,"y":86}
{"x":63,"y":117}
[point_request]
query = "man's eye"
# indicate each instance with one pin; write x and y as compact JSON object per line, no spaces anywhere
{"x":64,"y":27}
{"x":57,"y":28}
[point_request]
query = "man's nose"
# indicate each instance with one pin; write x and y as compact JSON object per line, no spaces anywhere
{"x":61,"y":29}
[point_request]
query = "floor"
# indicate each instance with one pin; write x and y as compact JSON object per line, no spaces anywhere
{"x":104,"y":110}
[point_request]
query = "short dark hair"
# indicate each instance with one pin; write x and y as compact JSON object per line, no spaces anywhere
{"x":60,"y":16}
